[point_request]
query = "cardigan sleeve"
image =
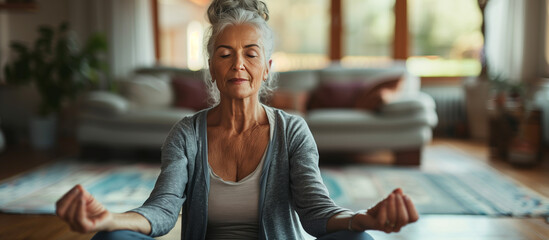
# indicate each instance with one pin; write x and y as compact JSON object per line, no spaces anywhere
{"x":309,"y":194}
{"x":162,"y":207}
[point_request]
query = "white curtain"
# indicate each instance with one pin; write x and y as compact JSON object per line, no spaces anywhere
{"x":512,"y":33}
{"x":131,"y":36}
{"x":128,"y":26}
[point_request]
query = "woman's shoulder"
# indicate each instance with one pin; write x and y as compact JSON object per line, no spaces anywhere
{"x":189,"y":120}
{"x":288,"y":115}
{"x":290,"y":119}
{"x":189,"y":125}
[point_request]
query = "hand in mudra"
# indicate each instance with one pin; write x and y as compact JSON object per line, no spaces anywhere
{"x":389,"y":215}
{"x":82,"y":211}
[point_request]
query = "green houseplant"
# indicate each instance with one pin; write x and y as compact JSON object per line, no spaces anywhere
{"x":59,"y":68}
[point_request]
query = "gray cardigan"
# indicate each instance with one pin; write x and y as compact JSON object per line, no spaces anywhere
{"x":290,"y":182}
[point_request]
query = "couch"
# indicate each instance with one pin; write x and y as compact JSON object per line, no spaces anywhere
{"x":347,"y":110}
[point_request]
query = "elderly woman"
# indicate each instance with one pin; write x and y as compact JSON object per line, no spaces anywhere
{"x":238,"y":170}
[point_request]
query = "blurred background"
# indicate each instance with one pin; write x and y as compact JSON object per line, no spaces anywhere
{"x":462,"y":51}
{"x":448,"y":87}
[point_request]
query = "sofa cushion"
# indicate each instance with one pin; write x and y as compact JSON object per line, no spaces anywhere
{"x":148,"y":90}
{"x":189,"y":93}
{"x":141,"y":119}
{"x":105,"y":103}
{"x":366,"y":93}
{"x":353,"y":121}
{"x":377,"y":92}
{"x":408,"y":105}
{"x":142,"y":127}
{"x":334,"y":95}
{"x":364,"y":141}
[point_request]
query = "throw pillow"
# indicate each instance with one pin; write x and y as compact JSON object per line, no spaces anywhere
{"x":148,"y":90}
{"x":105,"y":103}
{"x":377,"y":92}
{"x":334,"y":94}
{"x":189,"y":93}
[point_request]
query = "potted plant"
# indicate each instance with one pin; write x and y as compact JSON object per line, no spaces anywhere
{"x":60,"y":69}
{"x":516,"y":122}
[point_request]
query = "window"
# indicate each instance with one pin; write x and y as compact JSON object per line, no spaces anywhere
{"x":182,"y":25}
{"x":368,"y":31}
{"x":301,"y":33}
{"x":445,"y":37}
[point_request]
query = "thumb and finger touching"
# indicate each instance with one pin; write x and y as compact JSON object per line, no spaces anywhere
{"x":81,"y":210}
{"x":64,"y":203}
{"x":393,"y":212}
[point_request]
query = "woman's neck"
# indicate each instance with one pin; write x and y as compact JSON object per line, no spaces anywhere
{"x":237,"y":115}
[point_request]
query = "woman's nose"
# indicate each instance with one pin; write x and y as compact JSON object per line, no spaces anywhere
{"x":238,"y":63}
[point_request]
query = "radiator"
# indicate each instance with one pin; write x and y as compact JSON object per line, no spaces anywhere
{"x":450,"y":108}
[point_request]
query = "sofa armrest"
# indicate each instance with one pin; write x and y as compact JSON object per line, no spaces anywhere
{"x":410,"y":104}
{"x":105,"y":103}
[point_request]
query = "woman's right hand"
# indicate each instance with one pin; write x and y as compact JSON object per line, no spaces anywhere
{"x":82,"y":211}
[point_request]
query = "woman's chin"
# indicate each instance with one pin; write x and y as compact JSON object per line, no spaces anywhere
{"x":239,"y":93}
{"x":238,"y":96}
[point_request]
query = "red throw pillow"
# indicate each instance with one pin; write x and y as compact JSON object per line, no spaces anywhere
{"x":334,"y":94}
{"x":377,"y":92}
{"x":189,"y":93}
{"x":368,"y":94}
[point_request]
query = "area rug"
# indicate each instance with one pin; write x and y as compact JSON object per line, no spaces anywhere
{"x":119,"y":186}
{"x":459,"y":185}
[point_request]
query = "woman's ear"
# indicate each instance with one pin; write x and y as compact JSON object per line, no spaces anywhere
{"x":270,"y":63}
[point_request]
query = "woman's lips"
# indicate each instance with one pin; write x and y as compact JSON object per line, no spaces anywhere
{"x":238,"y":80}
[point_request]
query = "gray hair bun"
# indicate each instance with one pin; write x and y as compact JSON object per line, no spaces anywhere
{"x":220,"y":7}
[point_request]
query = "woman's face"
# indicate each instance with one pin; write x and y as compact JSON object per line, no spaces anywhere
{"x":238,"y":63}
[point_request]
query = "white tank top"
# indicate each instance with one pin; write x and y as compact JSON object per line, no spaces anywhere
{"x":233,"y":207}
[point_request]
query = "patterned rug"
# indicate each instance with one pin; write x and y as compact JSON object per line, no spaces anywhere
{"x":119,"y":186}
{"x":459,"y":186}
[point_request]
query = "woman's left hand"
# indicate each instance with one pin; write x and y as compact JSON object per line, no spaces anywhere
{"x":389,"y":215}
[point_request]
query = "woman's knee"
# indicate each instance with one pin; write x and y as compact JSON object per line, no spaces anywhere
{"x":120,"y":235}
{"x":347,"y":235}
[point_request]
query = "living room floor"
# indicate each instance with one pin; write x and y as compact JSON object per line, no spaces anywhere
{"x":17,"y":159}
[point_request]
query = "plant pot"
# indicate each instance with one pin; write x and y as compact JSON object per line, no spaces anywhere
{"x":43,"y":132}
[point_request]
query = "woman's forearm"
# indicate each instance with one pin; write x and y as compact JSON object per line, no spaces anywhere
{"x":130,"y":221}
{"x":338,"y":222}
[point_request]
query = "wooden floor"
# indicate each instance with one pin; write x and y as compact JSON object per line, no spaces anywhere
{"x":21,"y":158}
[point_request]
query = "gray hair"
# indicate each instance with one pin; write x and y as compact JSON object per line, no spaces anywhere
{"x":239,"y":15}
